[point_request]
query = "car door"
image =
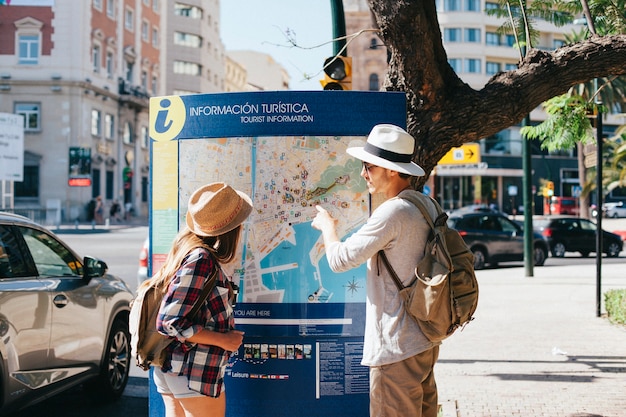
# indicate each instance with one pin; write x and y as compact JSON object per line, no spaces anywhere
{"x":577,"y":238}
{"x":77,"y":331}
{"x":25,"y":317}
{"x":512,"y":240}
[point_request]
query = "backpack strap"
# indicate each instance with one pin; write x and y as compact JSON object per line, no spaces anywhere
{"x":206,"y":290}
{"x":392,"y":272}
{"x":441,"y":217}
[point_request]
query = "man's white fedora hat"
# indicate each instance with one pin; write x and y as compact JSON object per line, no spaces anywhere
{"x":390,"y":147}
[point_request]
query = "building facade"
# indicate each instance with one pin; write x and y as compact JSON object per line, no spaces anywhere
{"x":82,"y":73}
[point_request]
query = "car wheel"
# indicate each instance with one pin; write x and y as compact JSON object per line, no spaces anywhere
{"x":479,"y":258}
{"x":584,"y":254}
{"x":613,"y":250}
{"x":558,"y":250}
{"x":110,"y":384}
{"x":615,"y":216}
{"x":540,"y":254}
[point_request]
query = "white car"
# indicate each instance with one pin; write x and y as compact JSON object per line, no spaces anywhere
{"x":614,"y":210}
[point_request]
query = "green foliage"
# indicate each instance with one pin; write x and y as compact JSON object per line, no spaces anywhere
{"x":615,"y":302}
{"x":567,"y":123}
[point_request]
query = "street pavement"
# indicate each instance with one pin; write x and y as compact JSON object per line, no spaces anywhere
{"x":537,"y":348}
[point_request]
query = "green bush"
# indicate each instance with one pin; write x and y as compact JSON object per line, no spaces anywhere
{"x":615,"y":302}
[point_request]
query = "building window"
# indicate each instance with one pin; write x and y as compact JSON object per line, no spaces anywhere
{"x":187,"y":11}
{"x":97,"y":4}
{"x":155,"y":37}
{"x":492,"y":38}
{"x":129,"y":71}
{"x":154,"y":85}
{"x":29,"y":188}
{"x":155,"y":5}
{"x":451,"y":5}
{"x":472,"y":35}
{"x":452,"y":35}
{"x":108,"y":192}
{"x":145,"y":29}
{"x":374,"y":85}
{"x":128,"y":133}
{"x":111,"y":9}
{"x":129,"y":17}
{"x":493,"y":68}
{"x":97,"y":60}
{"x":472,"y":5}
{"x":96,"y":123}
{"x":187,"y":39}
{"x":557,"y":43}
{"x":28,"y":46}
{"x":109,"y":65}
{"x":510,"y":40}
{"x":455,"y":63}
{"x":32,"y":115}
{"x":510,"y":67}
{"x":109,"y":126}
{"x":472,"y":66}
{"x":188,"y":68}
{"x":145,"y":137}
{"x":373,"y":43}
{"x":144,"y":80}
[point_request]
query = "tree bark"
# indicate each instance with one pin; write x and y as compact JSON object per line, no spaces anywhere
{"x":444,"y":112}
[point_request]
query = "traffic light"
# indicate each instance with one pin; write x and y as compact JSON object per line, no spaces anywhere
{"x":337,"y":73}
{"x":548,"y":190}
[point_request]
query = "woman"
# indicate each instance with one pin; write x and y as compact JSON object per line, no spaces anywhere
{"x":191,"y":380}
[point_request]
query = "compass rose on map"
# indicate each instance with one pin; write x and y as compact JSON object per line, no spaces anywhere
{"x":353,"y":286}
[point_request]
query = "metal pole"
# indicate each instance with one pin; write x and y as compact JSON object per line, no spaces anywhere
{"x":529,"y":258}
{"x":339,"y":27}
{"x":599,"y":249}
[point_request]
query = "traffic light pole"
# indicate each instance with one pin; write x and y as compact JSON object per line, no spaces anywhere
{"x":529,"y":258}
{"x":599,"y":249}
{"x":339,"y":27}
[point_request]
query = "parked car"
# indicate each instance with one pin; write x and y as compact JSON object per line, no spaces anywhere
{"x":63,"y":319}
{"x":573,"y":234}
{"x":142,"y":270}
{"x":494,"y":238}
{"x":614,"y":210}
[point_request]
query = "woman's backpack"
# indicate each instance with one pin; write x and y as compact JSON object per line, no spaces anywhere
{"x":147,"y":344}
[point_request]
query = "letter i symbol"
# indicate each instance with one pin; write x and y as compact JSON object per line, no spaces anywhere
{"x":159,"y":125}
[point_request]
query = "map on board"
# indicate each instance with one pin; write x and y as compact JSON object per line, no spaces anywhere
{"x":286,"y":176}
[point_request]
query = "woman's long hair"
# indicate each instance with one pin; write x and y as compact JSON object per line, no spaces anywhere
{"x":223,"y":247}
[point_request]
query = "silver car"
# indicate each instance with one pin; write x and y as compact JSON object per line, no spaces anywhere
{"x":63,"y":320}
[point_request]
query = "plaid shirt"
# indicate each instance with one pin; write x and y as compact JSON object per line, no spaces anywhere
{"x":204,"y":365}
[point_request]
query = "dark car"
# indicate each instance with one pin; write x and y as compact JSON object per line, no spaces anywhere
{"x":494,"y":238}
{"x":63,"y":319}
{"x":573,"y":234}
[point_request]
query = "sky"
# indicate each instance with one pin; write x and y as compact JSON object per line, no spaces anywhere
{"x":262,"y":25}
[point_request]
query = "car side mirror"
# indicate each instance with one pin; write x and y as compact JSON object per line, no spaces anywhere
{"x":94,"y":267}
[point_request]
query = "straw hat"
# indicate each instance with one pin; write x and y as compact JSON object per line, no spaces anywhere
{"x":217,"y":208}
{"x":390,"y":147}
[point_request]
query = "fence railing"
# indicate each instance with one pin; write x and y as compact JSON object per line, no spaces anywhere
{"x":47,"y":217}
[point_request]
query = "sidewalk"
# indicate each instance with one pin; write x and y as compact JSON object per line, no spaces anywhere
{"x":536,"y":348}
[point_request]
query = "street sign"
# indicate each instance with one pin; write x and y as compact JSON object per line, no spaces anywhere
{"x":468,"y":153}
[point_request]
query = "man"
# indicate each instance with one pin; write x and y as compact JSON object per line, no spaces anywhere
{"x":400,"y":357}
